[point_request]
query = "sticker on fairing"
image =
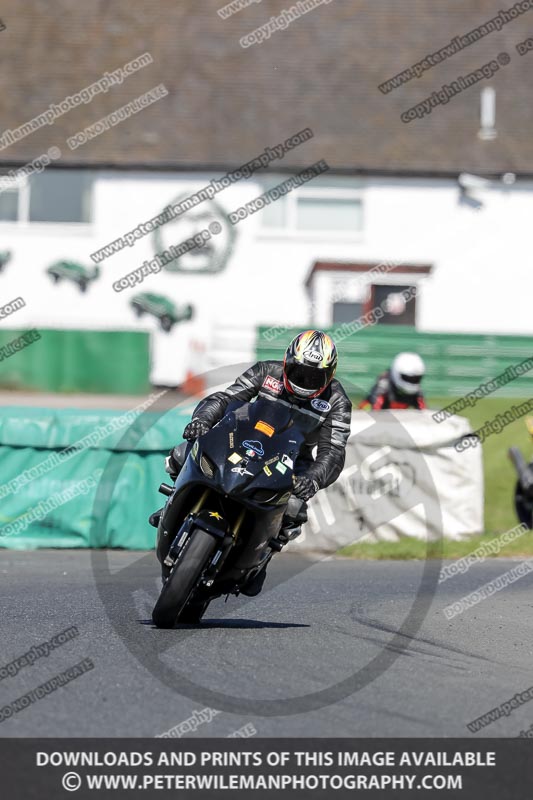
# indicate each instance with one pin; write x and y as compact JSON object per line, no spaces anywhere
{"x":241,"y":470}
{"x":320,"y":405}
{"x":265,"y":428}
{"x":281,"y":468}
{"x":234,"y":458}
{"x":253,"y":444}
{"x":267,"y":471}
{"x":287,"y":460}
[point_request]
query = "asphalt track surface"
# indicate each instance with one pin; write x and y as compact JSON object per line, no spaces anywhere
{"x":315,"y":625}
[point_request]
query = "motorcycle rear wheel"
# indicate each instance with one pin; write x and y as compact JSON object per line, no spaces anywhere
{"x":183,"y":579}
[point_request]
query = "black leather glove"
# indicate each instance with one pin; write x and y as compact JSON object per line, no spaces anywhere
{"x":304,"y":487}
{"x":194,"y":429}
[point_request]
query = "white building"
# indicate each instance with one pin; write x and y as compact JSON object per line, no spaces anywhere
{"x":393,"y":193}
{"x":473,"y":271}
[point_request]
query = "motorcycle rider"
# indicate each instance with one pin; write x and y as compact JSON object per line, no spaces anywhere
{"x":399,"y":386}
{"x":305,"y":379}
{"x":524,"y":488}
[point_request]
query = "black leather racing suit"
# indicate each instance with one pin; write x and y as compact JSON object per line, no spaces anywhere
{"x":327,"y":417}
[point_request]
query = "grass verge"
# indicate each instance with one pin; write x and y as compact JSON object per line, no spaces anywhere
{"x":500,"y":477}
{"x":415,"y":549}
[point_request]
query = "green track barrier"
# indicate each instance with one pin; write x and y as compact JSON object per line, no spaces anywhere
{"x":78,"y":361}
{"x":47,"y":495}
{"x":456,"y":363}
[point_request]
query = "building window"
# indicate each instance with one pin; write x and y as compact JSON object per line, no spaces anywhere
{"x":50,"y":196}
{"x":316,"y":213}
{"x":331,"y":207}
{"x":60,"y":196}
{"x":9,"y":202}
{"x":346,"y":312}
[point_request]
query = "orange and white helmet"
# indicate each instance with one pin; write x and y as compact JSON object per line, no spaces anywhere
{"x":310,"y":363}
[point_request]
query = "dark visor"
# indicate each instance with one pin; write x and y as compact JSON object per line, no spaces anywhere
{"x":411,"y":378}
{"x":307,"y":377}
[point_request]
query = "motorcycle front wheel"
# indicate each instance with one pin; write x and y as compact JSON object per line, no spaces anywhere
{"x":182,"y":580}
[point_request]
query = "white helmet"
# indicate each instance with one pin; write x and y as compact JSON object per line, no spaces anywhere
{"x":407,"y":371}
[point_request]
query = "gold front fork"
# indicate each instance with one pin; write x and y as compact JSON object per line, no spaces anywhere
{"x":203,"y":497}
{"x":237,"y":526}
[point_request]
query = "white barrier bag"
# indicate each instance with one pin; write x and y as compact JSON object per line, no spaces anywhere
{"x":402,"y":477}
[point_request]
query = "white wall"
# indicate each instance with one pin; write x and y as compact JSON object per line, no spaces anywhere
{"x":481,"y":281}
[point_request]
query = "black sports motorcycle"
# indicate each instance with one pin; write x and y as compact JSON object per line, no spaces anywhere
{"x":523,"y":495}
{"x":218,"y":528}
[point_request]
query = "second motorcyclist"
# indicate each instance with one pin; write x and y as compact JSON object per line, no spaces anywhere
{"x":399,"y":386}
